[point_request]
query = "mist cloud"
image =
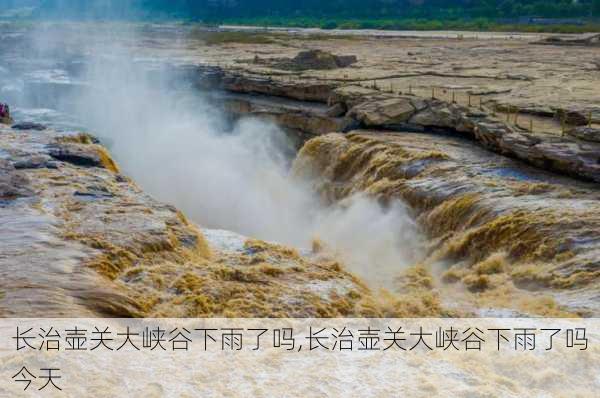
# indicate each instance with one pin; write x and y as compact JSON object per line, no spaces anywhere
{"x":180,"y":147}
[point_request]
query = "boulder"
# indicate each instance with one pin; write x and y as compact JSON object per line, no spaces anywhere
{"x":343,"y":61}
{"x":352,"y":95}
{"x":29,"y":126}
{"x":316,"y":60}
{"x":438,"y":114}
{"x":81,"y":155}
{"x":383,"y":113}
{"x":572,"y":117}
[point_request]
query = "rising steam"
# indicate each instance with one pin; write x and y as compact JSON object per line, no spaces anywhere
{"x":182,"y":149}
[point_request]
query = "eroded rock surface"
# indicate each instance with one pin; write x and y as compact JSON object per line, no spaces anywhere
{"x":80,"y":239}
{"x":305,"y":118}
{"x":316,"y":60}
{"x":376,"y":109}
{"x":13,"y":184}
{"x":308,"y":91}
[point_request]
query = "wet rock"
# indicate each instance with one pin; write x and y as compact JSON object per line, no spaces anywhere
{"x":77,"y":154}
{"x":121,"y":178}
{"x":189,"y":240}
{"x":585,"y":133}
{"x":35,"y":162}
{"x":29,"y":126}
{"x":309,"y":123}
{"x":13,"y":183}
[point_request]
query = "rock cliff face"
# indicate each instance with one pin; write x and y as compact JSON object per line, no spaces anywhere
{"x":498,"y":229}
{"x":562,"y":154}
{"x":575,"y":155}
{"x":81,"y":239}
{"x":307,"y":91}
{"x":306,"y":119}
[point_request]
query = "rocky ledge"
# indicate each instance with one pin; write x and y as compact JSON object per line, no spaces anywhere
{"x":306,"y":119}
{"x":562,"y":154}
{"x":81,"y":239}
{"x":349,"y":106}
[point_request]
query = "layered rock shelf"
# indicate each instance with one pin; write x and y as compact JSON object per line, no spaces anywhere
{"x":350,"y":106}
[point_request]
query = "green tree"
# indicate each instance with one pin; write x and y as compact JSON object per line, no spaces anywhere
{"x":596,"y":8}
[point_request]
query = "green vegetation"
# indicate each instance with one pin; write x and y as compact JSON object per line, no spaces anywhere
{"x":332,"y":10}
{"x":479,"y":24}
{"x":504,"y":15}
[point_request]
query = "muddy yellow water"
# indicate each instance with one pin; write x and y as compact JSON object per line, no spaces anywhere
{"x":503,"y":237}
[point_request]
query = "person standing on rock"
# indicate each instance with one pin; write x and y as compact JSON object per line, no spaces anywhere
{"x":5,"y":114}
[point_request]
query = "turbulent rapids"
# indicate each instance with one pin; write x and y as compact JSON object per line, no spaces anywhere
{"x":303,"y":197}
{"x":503,"y":232}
